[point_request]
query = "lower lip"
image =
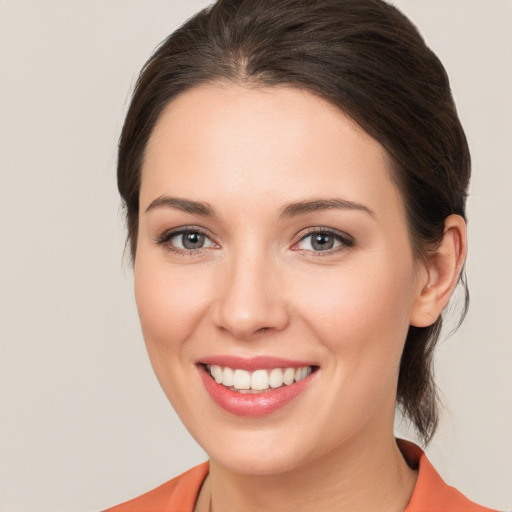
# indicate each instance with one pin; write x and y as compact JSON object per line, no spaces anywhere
{"x":252,"y":404}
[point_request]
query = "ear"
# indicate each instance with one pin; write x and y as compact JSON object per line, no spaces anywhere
{"x":439,"y":274}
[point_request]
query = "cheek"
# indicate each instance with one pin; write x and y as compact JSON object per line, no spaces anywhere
{"x":361,"y":318}
{"x":171,"y":306}
{"x":361,"y":314}
{"x":170,"y":303}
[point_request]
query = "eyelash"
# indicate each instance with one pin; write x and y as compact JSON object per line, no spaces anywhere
{"x":165,"y":239}
{"x":345,"y":241}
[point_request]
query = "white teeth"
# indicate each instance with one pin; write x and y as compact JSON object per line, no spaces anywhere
{"x":242,"y":379}
{"x":259,"y":380}
{"x":276,"y":378}
{"x":302,"y":373}
{"x":217,"y":373}
{"x":289,"y":376}
{"x":229,"y":377}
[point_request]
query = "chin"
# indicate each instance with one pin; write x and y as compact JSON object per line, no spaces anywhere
{"x":264,"y":451}
{"x":258,"y":463}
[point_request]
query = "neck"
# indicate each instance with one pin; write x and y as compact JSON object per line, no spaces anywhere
{"x":359,"y":477}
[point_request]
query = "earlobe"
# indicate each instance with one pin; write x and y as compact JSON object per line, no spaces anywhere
{"x":440,"y":273}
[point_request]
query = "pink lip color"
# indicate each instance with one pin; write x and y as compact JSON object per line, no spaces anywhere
{"x":252,"y":404}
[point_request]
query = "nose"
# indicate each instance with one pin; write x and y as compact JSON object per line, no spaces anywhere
{"x":250,"y":298}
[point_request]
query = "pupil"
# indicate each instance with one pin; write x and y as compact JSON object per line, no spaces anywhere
{"x":323,"y":242}
{"x":193,"y":240}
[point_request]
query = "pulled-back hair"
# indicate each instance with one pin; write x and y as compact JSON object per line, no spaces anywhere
{"x":366,"y":58}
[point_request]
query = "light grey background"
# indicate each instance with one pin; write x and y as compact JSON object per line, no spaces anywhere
{"x":83,"y":422}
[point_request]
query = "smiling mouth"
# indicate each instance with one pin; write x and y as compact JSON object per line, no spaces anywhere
{"x":257,"y":381}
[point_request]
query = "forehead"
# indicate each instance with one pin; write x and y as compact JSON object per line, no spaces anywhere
{"x":222,"y":140}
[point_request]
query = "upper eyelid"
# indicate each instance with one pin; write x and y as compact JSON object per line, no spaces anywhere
{"x":170,"y":233}
{"x":164,"y":241}
{"x":310,"y":231}
{"x":346,"y":241}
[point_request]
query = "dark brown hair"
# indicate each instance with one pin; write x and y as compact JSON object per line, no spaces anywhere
{"x":363,"y":56}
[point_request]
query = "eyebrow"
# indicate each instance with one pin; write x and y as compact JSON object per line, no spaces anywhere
{"x":186,"y":205}
{"x":290,"y":210}
{"x":314,"y":205}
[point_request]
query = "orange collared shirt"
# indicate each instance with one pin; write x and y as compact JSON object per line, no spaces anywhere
{"x":431,"y":493}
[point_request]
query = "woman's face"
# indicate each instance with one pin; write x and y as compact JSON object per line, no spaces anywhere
{"x":272,"y":238}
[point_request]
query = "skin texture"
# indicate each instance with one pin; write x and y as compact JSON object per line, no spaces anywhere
{"x":258,"y":287}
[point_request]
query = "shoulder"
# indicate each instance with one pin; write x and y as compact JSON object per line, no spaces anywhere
{"x":431,"y":493}
{"x":176,"y":495}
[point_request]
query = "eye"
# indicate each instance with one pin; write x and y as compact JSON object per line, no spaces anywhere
{"x":324,"y":240}
{"x":185,"y":240}
{"x":190,"y":240}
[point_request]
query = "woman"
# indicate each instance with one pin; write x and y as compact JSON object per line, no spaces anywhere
{"x":294,"y":176}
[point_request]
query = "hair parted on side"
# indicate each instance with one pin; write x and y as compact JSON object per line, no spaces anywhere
{"x":365,"y":57}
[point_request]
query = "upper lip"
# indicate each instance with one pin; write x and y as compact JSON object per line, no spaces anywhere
{"x":253,"y":363}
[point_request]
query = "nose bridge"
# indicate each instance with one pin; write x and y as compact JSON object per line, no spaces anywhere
{"x":250,"y":298}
